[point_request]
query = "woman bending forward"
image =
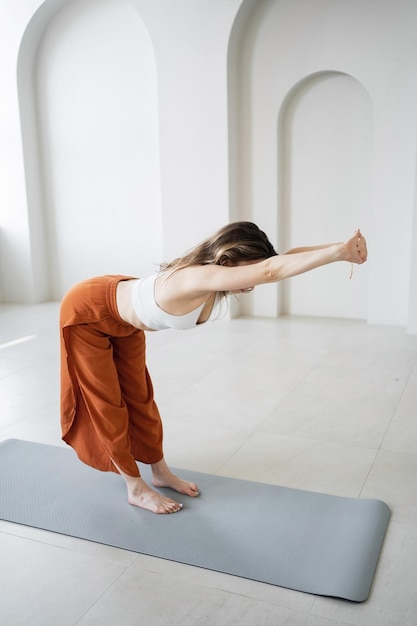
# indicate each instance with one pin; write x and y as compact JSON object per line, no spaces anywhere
{"x":108,"y":412}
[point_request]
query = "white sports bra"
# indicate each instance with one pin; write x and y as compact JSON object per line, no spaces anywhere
{"x":155,"y":318}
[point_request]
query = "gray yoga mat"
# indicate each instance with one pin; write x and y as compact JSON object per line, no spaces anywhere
{"x":311,"y":542}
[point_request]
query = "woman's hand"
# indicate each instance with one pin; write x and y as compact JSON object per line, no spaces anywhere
{"x":355,"y":250}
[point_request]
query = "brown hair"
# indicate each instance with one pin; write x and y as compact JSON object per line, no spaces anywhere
{"x":232,"y":244}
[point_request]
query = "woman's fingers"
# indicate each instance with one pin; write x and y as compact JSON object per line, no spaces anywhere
{"x":356,"y":248}
{"x":360,"y":245}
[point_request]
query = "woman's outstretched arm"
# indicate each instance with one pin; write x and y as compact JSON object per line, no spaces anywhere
{"x":300,"y":260}
{"x":309,"y":248}
{"x":200,"y":280}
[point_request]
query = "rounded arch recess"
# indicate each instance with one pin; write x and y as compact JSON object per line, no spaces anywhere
{"x":86,"y":159}
{"x":324,"y":146}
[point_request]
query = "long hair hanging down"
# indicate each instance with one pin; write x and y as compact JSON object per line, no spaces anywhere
{"x":232,"y":244}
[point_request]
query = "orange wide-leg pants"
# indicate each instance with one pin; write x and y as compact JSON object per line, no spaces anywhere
{"x":108,"y":412}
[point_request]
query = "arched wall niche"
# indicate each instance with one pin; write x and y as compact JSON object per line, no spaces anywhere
{"x":88,"y":105}
{"x":39,"y":241}
{"x":320,"y":135}
{"x":324,"y":145}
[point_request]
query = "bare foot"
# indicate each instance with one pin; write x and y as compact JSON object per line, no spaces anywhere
{"x":139,"y":494}
{"x":163,"y":477}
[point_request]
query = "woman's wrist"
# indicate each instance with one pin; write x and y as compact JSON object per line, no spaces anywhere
{"x":340,"y":252}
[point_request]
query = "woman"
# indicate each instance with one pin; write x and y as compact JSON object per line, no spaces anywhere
{"x":108,"y":413}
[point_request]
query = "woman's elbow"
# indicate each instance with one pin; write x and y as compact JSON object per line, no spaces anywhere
{"x":271,"y":271}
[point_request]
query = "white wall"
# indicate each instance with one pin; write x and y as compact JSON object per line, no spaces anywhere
{"x":146,"y":125}
{"x":282,"y":45}
{"x":191,"y":41}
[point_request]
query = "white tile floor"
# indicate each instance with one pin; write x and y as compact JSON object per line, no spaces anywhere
{"x":325,"y":405}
